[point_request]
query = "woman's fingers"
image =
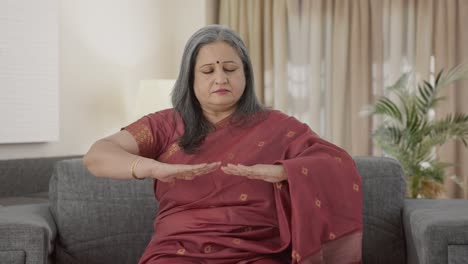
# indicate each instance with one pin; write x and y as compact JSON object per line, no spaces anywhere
{"x":241,"y":170}
{"x":207,"y":168}
{"x":269,"y":173}
{"x":190,"y":172}
{"x":231,"y":169}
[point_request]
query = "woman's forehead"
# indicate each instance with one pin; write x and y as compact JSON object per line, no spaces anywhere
{"x":217,"y":52}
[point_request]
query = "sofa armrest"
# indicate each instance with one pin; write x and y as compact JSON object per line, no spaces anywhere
{"x":27,"y":233}
{"x":436,"y":231}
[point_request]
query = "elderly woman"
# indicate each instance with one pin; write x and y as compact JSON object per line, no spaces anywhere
{"x":236,"y":183}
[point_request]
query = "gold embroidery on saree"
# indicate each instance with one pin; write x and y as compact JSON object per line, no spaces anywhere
{"x":207,"y":249}
{"x":170,"y":151}
{"x":290,"y":134}
{"x":243,"y":197}
{"x":318,"y":203}
{"x":355,"y":187}
{"x":296,"y":256}
{"x":279,"y":185}
{"x":142,"y":135}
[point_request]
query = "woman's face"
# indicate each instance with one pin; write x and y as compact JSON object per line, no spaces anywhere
{"x":219,"y":78}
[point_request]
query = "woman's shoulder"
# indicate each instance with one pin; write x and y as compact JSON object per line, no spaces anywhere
{"x":279,"y":116}
{"x":169,"y":114}
{"x":168,"y":118}
{"x":281,"y":120}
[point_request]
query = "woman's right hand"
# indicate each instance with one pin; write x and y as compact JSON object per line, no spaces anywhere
{"x":170,"y":172}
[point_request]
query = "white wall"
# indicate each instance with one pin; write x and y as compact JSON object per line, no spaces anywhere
{"x":106,"y":48}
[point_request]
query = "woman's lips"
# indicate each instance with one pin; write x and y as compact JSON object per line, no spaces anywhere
{"x":222,"y":91}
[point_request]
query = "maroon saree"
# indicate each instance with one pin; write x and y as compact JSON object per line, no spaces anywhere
{"x":313,"y":217}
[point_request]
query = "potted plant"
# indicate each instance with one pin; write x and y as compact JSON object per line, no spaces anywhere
{"x":410,"y":133}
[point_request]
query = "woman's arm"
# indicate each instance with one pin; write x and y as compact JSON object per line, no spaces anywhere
{"x":113,"y":157}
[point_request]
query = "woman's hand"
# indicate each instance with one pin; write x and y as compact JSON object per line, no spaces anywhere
{"x":269,"y":173}
{"x":169,"y":172}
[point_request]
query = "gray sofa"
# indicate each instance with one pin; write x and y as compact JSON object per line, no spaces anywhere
{"x":93,"y":220}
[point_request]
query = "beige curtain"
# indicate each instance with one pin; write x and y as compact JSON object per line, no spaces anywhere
{"x":262,"y":24}
{"x":302,"y":55}
{"x":350,"y":75}
{"x":449,"y":39}
{"x":324,"y":60}
{"x":426,"y":36}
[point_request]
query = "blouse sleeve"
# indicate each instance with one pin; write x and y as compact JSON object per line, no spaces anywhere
{"x":151,"y":134}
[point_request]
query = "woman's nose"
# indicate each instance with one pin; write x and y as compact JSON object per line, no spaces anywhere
{"x":221,"y":77}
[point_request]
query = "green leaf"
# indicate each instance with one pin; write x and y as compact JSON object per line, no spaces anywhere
{"x":408,"y":135}
{"x":386,"y":107}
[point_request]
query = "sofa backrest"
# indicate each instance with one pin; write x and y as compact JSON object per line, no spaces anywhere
{"x":110,"y":221}
{"x":26,"y":176}
{"x":384,"y":189}
{"x":99,"y":220}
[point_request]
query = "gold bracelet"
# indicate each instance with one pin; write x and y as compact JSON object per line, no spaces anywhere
{"x":134,"y":164}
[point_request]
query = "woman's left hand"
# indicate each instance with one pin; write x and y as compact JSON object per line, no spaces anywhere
{"x":269,"y":173}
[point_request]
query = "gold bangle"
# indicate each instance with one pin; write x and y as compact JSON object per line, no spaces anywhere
{"x":134,"y":164}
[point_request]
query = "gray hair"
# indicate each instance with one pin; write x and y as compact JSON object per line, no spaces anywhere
{"x":197,"y":127}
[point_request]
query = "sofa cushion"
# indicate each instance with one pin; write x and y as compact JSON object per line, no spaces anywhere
{"x":13,"y":256}
{"x":100,"y":220}
{"x":34,"y":198}
{"x":436,"y":231}
{"x":26,"y":176}
{"x":35,"y":217}
{"x":384,"y":190}
{"x":457,"y":254}
{"x":26,"y":234}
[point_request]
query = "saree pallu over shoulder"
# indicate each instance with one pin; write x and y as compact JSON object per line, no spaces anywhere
{"x":322,"y":200}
